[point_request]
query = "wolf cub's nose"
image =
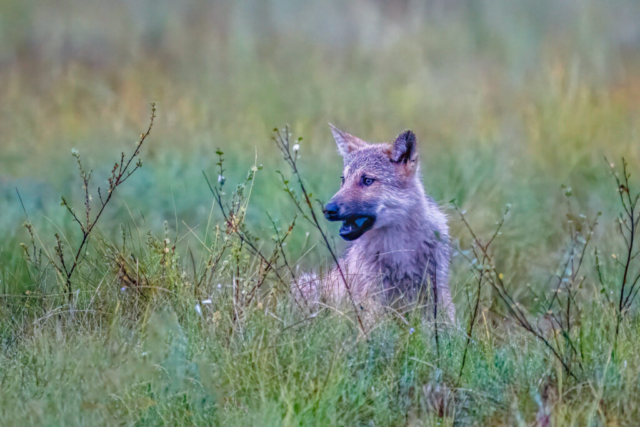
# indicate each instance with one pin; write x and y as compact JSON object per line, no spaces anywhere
{"x":331,"y":210}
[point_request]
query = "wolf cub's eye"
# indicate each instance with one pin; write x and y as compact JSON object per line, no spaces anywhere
{"x":367,"y":181}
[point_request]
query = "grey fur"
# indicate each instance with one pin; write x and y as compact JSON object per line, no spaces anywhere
{"x":407,"y":250}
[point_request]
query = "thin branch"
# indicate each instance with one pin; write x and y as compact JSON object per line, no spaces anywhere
{"x":512,"y":306}
{"x":282,"y":142}
{"x":116,"y":179}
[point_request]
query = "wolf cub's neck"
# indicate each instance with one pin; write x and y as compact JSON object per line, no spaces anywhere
{"x":399,"y":240}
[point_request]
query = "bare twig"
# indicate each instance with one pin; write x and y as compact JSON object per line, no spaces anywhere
{"x":119,"y":174}
{"x":233,"y":216}
{"x":514,"y":308}
{"x":479,"y":273}
{"x":630,"y":220}
{"x":281,"y":138}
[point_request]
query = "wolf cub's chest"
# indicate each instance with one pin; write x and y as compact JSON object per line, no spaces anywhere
{"x":404,"y":268}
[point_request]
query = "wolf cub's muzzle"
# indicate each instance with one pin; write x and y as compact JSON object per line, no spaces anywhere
{"x":354,"y":224}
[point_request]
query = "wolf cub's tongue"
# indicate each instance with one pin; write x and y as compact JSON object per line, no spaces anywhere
{"x":353,"y":228}
{"x":360,"y":221}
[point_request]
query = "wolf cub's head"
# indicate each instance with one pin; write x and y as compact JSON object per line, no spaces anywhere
{"x":380,"y":183}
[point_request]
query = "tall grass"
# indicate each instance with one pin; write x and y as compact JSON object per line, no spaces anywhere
{"x":174,"y":318}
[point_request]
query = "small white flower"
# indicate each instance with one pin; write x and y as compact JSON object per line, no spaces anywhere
{"x":122,"y":289}
{"x":198,"y":309}
{"x":206,"y":301}
{"x":219,"y":285}
{"x":74,"y":151}
{"x":296,"y":147}
{"x":221,"y":179}
{"x":167,"y":241}
{"x":411,"y":331}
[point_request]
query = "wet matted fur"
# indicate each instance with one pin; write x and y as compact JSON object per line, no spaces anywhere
{"x":399,"y":247}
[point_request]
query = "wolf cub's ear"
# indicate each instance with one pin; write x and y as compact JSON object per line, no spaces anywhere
{"x":405,"y":148}
{"x":346,"y":143}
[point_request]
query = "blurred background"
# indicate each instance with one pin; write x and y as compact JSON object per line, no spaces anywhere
{"x":510,"y":101}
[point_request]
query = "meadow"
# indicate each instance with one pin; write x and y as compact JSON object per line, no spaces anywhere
{"x":178,"y":313}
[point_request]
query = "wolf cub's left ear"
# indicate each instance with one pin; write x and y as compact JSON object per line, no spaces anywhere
{"x":405,"y":149}
{"x":347,"y":143}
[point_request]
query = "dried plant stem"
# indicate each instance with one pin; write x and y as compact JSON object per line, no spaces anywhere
{"x":119,"y":174}
{"x":282,"y":141}
{"x":480,"y":276}
{"x":628,"y":228}
{"x":233,"y":220}
{"x":513,"y":307}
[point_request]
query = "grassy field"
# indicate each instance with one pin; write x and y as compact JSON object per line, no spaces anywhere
{"x":174,"y":317}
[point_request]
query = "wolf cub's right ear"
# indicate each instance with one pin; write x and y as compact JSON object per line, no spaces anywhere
{"x":346,"y":143}
{"x":405,"y":152}
{"x":405,"y":148}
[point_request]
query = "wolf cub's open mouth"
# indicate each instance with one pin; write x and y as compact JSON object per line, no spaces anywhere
{"x":355,"y":226}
